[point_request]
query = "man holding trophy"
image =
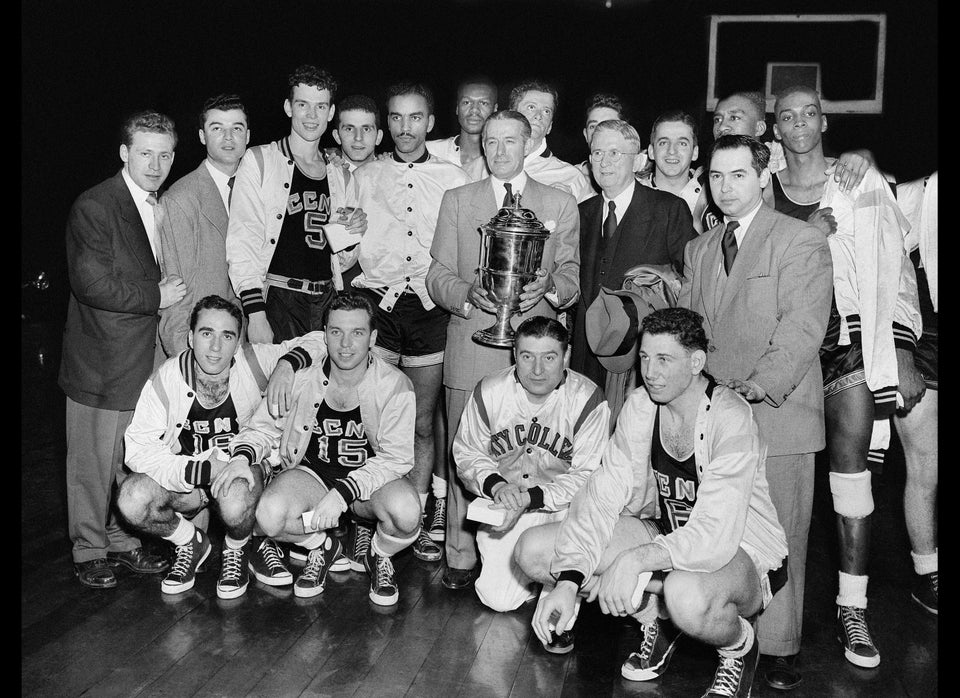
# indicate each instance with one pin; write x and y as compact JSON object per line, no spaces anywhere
{"x":454,"y":282}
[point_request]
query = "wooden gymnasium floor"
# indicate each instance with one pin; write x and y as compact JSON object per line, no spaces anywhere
{"x":135,"y":641}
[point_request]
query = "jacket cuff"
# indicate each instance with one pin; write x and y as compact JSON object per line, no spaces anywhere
{"x":197,"y":473}
{"x":490,"y":482}
{"x":253,"y":301}
{"x":571,"y":576}
{"x":536,"y":498}
{"x":348,"y":490}
{"x":244,"y":451}
{"x":903,"y":338}
{"x":297,"y":357}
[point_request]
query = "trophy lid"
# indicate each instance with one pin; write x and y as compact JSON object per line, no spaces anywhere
{"x":517,"y":220}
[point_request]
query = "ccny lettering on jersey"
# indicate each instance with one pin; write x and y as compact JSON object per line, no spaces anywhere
{"x":532,"y":434}
{"x":316,"y":212}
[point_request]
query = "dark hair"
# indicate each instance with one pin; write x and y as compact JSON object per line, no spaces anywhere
{"x":222,"y":102}
{"x":412,"y":88}
{"x":759,"y":153}
{"x":675,"y":115}
{"x":506,"y":115}
{"x":686,"y":326}
{"x":350,"y":300}
{"x":604,"y":99}
{"x":516,"y":94}
{"x":477,"y":80}
{"x":787,"y":91}
{"x":540,"y":326}
{"x":215,"y":302}
{"x":149,"y":121}
{"x":359,"y":103}
{"x":312,"y":76}
{"x":756,"y":99}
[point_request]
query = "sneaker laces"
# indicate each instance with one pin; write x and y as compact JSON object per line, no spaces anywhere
{"x":727,"y":679}
{"x":935,"y":582}
{"x":384,"y":571}
{"x":439,"y":513}
{"x":184,"y":557}
{"x":362,"y":542}
{"x":424,"y":537}
{"x":230,"y":569}
{"x":855,"y":625}
{"x":315,"y":563}
{"x":650,"y":633}
{"x":271,"y":554}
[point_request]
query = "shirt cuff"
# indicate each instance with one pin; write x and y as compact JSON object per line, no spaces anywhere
{"x":347,"y":489}
{"x":903,"y":338}
{"x":571,"y":576}
{"x":297,"y":357}
{"x":536,"y":498}
{"x":253,"y":301}
{"x":197,"y":473}
{"x":490,"y":482}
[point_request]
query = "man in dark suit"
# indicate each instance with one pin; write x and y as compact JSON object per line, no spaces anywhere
{"x":625,"y":226}
{"x":192,"y":218}
{"x":763,"y":283}
{"x":110,"y":340}
{"x":453,"y":283}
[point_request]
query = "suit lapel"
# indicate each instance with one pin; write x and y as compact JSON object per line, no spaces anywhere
{"x":747,"y":256}
{"x":709,"y":265}
{"x":211,"y":203}
{"x":132,"y":229}
{"x":633,"y":219}
{"x":590,"y":242}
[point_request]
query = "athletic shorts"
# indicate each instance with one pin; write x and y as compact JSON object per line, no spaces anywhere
{"x":842,"y":366}
{"x":409,"y":335}
{"x":293,"y":313}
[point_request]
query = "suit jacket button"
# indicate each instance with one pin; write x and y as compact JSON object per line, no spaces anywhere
{"x":712,"y":347}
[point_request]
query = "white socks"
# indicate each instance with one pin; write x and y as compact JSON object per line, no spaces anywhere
{"x":853,"y":590}
{"x":924,"y":564}
{"x":183,"y":534}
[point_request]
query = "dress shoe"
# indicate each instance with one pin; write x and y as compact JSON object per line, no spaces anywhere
{"x":782,"y":673}
{"x":138,"y":560}
{"x":95,"y":574}
{"x":458,"y":579}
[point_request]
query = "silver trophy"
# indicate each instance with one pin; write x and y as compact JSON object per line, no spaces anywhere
{"x":510,"y":254}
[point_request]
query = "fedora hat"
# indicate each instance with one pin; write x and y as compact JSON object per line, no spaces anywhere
{"x":612,"y":322}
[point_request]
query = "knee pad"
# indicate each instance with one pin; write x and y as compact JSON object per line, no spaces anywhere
{"x":852,"y":494}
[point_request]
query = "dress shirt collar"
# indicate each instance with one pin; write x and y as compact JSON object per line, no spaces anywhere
{"x":139,"y":195}
{"x":517,"y":184}
{"x":221,"y":180}
{"x":622,"y":201}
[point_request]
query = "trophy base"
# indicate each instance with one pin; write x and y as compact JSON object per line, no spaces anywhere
{"x":492,"y":336}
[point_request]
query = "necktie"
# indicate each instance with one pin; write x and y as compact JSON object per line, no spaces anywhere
{"x":610,"y":224}
{"x":729,"y":245}
{"x":230,"y":187}
{"x":151,"y":224}
{"x":152,"y":198}
{"x":508,"y":197}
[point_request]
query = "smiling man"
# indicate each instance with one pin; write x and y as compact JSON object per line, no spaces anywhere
{"x":176,"y":445}
{"x":284,"y":193}
{"x":192,"y":217}
{"x":110,"y":340}
{"x":358,"y":131}
{"x":627,"y":225}
{"x":344,"y":445}
{"x":529,"y":437}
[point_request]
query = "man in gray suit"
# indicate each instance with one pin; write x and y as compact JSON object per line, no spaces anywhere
{"x":763,"y":282}
{"x":192,"y":218}
{"x":453,"y":283}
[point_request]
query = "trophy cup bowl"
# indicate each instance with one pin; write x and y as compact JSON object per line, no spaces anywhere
{"x":511,"y":250}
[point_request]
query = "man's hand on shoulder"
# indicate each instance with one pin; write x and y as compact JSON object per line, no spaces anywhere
{"x":280,"y":389}
{"x":851,"y":167}
{"x":751,"y":391}
{"x":823,"y":219}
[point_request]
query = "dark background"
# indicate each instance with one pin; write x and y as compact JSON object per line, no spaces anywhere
{"x":85,"y":65}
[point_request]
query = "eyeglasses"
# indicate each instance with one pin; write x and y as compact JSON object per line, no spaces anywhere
{"x":613,"y":155}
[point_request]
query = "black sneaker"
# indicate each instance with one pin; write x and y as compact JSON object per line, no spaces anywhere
{"x":854,"y":634}
{"x":383,"y":586}
{"x":234,"y":572}
{"x":186,"y":564}
{"x":437,"y":528}
{"x":650,"y":661}
{"x":734,"y":676}
{"x":926,"y":591}
{"x":425,"y":548}
{"x":266,"y":563}
{"x":362,"y":534}
{"x":313,"y":579}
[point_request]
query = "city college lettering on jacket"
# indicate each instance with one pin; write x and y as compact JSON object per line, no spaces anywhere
{"x":531,"y":434}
